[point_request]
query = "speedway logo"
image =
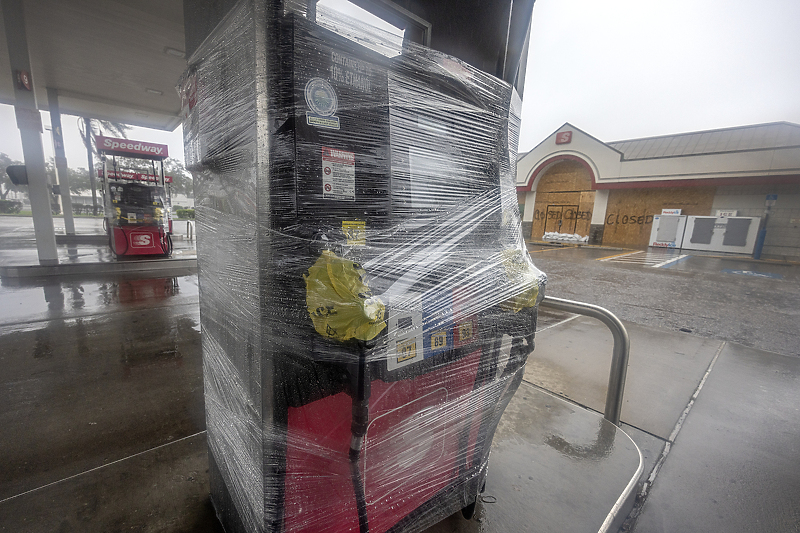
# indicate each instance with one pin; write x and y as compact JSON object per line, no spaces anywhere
{"x":125,"y":147}
{"x":141,"y":240}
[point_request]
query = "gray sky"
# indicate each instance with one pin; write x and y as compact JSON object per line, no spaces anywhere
{"x":621,"y":69}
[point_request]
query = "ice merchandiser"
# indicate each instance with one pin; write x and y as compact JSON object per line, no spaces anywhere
{"x":367,"y":302}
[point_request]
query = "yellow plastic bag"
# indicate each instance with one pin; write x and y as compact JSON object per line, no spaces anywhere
{"x":521,"y":272}
{"x":339,"y":301}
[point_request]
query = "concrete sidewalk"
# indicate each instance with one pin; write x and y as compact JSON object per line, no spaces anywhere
{"x":716,"y":420}
{"x":735,"y":462}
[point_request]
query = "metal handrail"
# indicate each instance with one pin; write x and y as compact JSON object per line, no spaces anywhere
{"x":619,"y":359}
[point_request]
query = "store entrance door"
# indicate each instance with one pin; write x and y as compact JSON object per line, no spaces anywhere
{"x":561,"y":218}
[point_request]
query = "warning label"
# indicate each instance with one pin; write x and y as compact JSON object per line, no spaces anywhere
{"x":355,"y":231}
{"x":338,"y":175}
{"x":322,"y":122}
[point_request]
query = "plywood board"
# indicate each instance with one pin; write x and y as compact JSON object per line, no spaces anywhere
{"x":573,"y":209}
{"x":564,"y":194}
{"x":629,"y":215}
{"x":565,"y":176}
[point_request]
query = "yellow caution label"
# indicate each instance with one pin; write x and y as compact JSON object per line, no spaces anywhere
{"x":355,"y":231}
{"x":520,"y":270}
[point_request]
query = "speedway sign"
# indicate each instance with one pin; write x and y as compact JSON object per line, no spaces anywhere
{"x":129,"y":148}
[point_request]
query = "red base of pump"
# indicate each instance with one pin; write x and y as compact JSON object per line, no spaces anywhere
{"x":409,"y":455}
{"x":140,"y":240}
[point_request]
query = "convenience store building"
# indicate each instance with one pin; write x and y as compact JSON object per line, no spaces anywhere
{"x":573,"y":183}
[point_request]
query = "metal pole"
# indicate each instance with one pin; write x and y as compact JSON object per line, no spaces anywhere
{"x":87,"y":124}
{"x":619,"y":358}
{"x":29,"y":122}
{"x":62,"y":172}
{"x":105,"y":190}
{"x":762,"y":235}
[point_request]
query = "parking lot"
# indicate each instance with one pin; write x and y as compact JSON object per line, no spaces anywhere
{"x":733,"y":298}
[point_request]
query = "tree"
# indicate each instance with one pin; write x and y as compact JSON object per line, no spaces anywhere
{"x":78,"y":178}
{"x":87,"y":130}
{"x":100,"y":127}
{"x":182,"y":182}
{"x":6,"y":186}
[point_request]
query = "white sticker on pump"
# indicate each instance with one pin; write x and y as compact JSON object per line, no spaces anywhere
{"x":338,"y":175}
{"x":404,"y":335}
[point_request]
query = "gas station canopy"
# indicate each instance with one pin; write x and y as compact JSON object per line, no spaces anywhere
{"x":116,"y":60}
{"x":120,"y":59}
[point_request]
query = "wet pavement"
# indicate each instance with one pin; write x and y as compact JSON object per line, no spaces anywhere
{"x":102,"y":423}
{"x":69,"y":297}
{"x":734,"y":465}
{"x":554,"y":468}
{"x":96,"y":373}
{"x":101,"y":410}
{"x":163,"y":489}
{"x":705,"y":295}
{"x":103,"y":427}
{"x":573,"y":361}
{"x":717,"y":421}
{"x":18,"y":242}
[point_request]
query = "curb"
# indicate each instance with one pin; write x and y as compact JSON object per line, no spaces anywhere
{"x":119,"y":267}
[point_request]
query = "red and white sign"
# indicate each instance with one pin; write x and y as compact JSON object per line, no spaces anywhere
{"x":338,"y":174}
{"x":564,"y":137}
{"x":141,"y":240}
{"x":670,"y":211}
{"x":188,"y":93}
{"x":24,"y":79}
{"x":128,"y":148}
{"x":135,"y":176}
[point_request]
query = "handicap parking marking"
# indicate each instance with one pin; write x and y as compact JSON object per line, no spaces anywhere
{"x":650,"y":258}
{"x":753,"y":273}
{"x":624,"y":254}
{"x":669,"y":262}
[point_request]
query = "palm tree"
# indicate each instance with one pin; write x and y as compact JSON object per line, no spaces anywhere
{"x":6,"y":186}
{"x":87,"y":129}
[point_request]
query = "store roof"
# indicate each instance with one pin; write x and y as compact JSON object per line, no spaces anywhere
{"x":755,"y":154}
{"x":740,"y":139}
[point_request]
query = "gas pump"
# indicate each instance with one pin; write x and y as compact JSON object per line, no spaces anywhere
{"x":138,"y":205}
{"x":367,"y":302}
